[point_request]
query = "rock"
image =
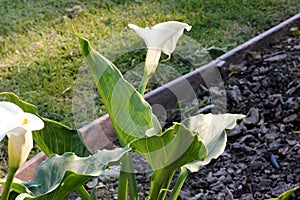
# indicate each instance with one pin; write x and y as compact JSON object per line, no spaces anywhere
{"x":211,"y":180}
{"x":271,"y":136}
{"x":276,"y":58}
{"x":247,"y":197}
{"x":185,"y":194}
{"x":110,"y":175}
{"x":231,"y":171}
{"x":235,"y":94}
{"x":290,"y":118}
{"x":252,"y":116}
{"x":200,"y":184}
{"x":221,"y":196}
{"x":220,"y":173}
{"x":292,"y":142}
{"x":256,"y":165}
{"x":93,"y":183}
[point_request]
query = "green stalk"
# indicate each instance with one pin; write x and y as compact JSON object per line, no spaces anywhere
{"x":144,"y":82}
{"x":179,"y":183}
{"x":155,"y":185}
{"x":131,"y":178}
{"x":165,"y":186}
{"x":159,"y":180}
{"x":8,"y":183}
{"x":127,"y":178}
{"x":151,"y":63}
{"x":83,"y":193}
{"x":123,"y":185}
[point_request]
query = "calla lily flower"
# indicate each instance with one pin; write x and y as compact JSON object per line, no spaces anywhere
{"x":162,"y":37}
{"x":18,"y":126}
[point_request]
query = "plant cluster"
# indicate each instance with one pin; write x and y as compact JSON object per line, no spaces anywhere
{"x":184,"y":147}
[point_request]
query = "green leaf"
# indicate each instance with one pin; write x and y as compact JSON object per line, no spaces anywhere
{"x":286,"y":195}
{"x":293,"y":32}
{"x":169,"y":151}
{"x":211,"y":130}
{"x":130,"y":114}
{"x":54,"y":138}
{"x":183,"y":173}
{"x":58,"y":176}
{"x":17,"y":186}
{"x":11,"y":97}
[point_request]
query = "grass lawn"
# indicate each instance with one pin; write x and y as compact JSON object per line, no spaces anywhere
{"x":40,"y":57}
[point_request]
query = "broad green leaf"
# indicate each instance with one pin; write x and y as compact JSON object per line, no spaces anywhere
{"x":55,"y":138}
{"x":169,"y":151}
{"x":211,"y":130}
{"x":130,"y":114}
{"x":11,"y":97}
{"x":58,"y":176}
{"x":286,"y":195}
{"x":17,"y":186}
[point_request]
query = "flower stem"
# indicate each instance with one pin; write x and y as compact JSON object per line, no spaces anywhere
{"x":123,"y":185}
{"x":10,"y":177}
{"x":143,"y":84}
{"x":166,"y":186}
{"x":151,"y":63}
{"x":127,"y":178}
{"x":83,"y":193}
{"x":158,"y":179}
{"x":179,"y":183}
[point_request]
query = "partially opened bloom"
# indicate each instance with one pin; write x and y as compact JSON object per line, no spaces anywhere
{"x":18,"y":126}
{"x":162,"y":37}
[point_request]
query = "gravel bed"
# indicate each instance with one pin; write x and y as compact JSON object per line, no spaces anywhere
{"x":262,"y":158}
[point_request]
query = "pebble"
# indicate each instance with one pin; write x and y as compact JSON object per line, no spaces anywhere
{"x":252,"y":117}
{"x":271,"y":136}
{"x":247,"y":197}
{"x":200,"y":184}
{"x":93,"y":183}
{"x":110,"y":175}
{"x":255,"y":165}
{"x":211,"y":180}
{"x":290,"y":118}
{"x":231,"y":171}
{"x":220,"y":173}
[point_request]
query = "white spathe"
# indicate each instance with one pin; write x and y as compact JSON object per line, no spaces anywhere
{"x":18,"y":126}
{"x":162,"y":37}
{"x":210,"y":129}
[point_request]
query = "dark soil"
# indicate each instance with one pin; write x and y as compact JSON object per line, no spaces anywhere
{"x":262,"y":157}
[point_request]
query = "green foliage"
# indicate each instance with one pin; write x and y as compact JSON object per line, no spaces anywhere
{"x":58,"y":176}
{"x":167,"y":152}
{"x":55,"y":138}
{"x":190,"y":145}
{"x":130,"y":114}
